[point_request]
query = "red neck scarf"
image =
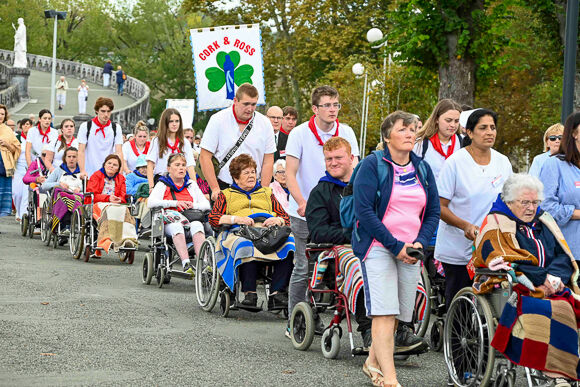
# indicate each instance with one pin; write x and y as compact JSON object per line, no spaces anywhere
{"x":236,"y":117}
{"x":23,"y":135}
{"x":439,"y":148}
{"x":136,"y":151}
{"x":60,"y":138}
{"x":100,"y":127}
{"x":314,"y":131}
{"x":283,"y":131}
{"x":175,"y":147}
{"x":44,"y":135}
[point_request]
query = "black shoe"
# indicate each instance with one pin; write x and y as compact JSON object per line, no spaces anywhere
{"x":319,"y":326}
{"x":277,"y":301}
{"x":367,"y":339}
{"x":250,"y":299}
{"x":62,"y":241}
{"x":407,"y":343}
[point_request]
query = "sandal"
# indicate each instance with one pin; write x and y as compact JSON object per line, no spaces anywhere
{"x":376,"y":380}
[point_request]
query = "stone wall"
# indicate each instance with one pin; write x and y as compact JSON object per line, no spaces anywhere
{"x":8,"y":93}
{"x":127,"y":116}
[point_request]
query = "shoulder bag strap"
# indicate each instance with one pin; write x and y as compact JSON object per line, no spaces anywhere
{"x":237,"y":144}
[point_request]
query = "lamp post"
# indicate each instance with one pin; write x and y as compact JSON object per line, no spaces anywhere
{"x":358,"y":70}
{"x":570,"y":47}
{"x":375,"y":35}
{"x":56,"y":15}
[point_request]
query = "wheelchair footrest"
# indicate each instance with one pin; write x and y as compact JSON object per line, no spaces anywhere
{"x":253,"y":309}
{"x":359,"y":351}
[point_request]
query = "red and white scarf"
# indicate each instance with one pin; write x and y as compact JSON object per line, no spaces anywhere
{"x":60,"y":138}
{"x":100,"y":126}
{"x":136,"y":151}
{"x":175,"y":147}
{"x":314,"y":131}
{"x":439,"y":148}
{"x":44,"y":135}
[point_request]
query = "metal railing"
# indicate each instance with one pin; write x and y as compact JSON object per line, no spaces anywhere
{"x":126,"y":116}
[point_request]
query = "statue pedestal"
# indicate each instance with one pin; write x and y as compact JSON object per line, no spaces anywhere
{"x":20,"y":78}
{"x":79,"y":119}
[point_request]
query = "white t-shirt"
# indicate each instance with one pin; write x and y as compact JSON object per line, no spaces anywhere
{"x":434,"y":158}
{"x":130,"y":156}
{"x":58,"y":154}
{"x":471,"y":189}
{"x":36,"y":139}
{"x":221,"y":135}
{"x":305,"y":147}
{"x":97,"y":147}
{"x":161,"y":163}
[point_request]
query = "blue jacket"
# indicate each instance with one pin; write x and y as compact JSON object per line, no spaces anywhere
{"x":365,"y":191}
{"x":119,"y":75}
{"x":133,"y":181}
{"x":108,"y":69}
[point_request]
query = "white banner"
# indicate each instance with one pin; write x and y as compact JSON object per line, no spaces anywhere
{"x":185,"y":107}
{"x":224,"y":58}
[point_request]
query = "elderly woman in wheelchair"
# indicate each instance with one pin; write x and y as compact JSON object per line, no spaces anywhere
{"x":178,"y":202}
{"x":244,"y":209}
{"x":525,"y":274}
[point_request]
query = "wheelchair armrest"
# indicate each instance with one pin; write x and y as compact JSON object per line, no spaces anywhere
{"x":319,"y":246}
{"x":486,"y":271}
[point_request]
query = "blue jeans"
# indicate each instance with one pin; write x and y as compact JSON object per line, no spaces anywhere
{"x":120,"y":86}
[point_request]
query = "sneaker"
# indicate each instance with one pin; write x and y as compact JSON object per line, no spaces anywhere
{"x":287,"y":332}
{"x":189,"y":270}
{"x":407,"y":343}
{"x":250,"y":299}
{"x":367,"y":339}
{"x":277,"y":301}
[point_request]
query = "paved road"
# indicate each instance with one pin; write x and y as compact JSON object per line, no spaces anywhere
{"x":39,"y":90}
{"x":66,"y":322}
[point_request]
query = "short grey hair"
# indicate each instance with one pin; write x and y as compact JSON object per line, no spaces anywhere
{"x":281,"y":162}
{"x":392,"y":119}
{"x":516,"y":183}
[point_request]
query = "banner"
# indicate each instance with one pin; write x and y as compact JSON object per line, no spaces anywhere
{"x":224,"y":58}
{"x":185,"y":107}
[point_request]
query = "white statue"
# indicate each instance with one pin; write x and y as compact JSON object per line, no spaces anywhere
{"x":20,"y":44}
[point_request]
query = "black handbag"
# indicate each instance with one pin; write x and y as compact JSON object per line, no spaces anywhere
{"x":265,"y":239}
{"x":190,"y":214}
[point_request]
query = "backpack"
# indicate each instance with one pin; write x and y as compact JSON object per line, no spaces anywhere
{"x":347,"y":216}
{"x":90,"y":124}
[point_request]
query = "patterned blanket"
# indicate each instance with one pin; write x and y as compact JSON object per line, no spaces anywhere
{"x":540,"y":333}
{"x":63,"y":202}
{"x":233,"y":250}
{"x":116,"y":226}
{"x":349,"y":280}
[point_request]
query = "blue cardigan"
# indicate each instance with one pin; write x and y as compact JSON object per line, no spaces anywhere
{"x":365,"y":191}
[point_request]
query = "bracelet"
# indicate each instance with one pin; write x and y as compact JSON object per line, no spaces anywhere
{"x":233,"y":219}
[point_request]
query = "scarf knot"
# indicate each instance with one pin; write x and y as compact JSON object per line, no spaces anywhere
{"x":168,"y":181}
{"x":312,"y":126}
{"x":436,"y":142}
{"x":45,"y":138}
{"x":175,"y":147}
{"x":136,"y":151}
{"x":100,"y":127}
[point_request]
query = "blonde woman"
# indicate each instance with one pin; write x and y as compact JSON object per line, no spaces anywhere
{"x":552,"y":139}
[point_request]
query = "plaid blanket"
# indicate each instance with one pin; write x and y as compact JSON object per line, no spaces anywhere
{"x":116,"y":226}
{"x":540,"y":333}
{"x":63,"y":202}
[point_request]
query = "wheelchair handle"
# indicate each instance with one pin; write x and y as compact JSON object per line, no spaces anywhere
{"x":415,"y":253}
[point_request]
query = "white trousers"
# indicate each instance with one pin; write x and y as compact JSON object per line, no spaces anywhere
{"x":106,"y":80}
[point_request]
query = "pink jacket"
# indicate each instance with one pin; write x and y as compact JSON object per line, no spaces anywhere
{"x":280,"y":195}
{"x":33,"y":172}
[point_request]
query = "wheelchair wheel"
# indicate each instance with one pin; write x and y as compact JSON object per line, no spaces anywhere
{"x":77,"y":235}
{"x":422,"y":313}
{"x":31,"y":225}
{"x":225,"y":303}
{"x":330,"y":343}
{"x":467,"y":336}
{"x":505,"y":376}
{"x":127,"y":256}
{"x":148,"y":269}
{"x":160,"y":276}
{"x":302,"y":326}
{"x":436,"y":336}
{"x":87,"y":254}
{"x":206,"y":276}
{"x":24,"y":225}
{"x":44,"y":223}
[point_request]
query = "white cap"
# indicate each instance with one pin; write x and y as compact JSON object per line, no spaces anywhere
{"x":47,"y":147}
{"x":464,"y":116}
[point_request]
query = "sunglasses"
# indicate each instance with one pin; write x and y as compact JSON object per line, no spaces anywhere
{"x":554,"y":138}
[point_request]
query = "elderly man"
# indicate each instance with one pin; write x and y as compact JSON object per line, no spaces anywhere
{"x":275,"y":114}
{"x":11,"y":124}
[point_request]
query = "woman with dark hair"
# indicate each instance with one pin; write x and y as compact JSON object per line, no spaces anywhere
{"x":468,"y":184}
{"x":65,"y":140}
{"x":109,"y":193}
{"x":9,"y":152}
{"x":438,"y":138}
{"x":169,"y":140}
{"x":561,"y":177}
{"x":39,"y":136}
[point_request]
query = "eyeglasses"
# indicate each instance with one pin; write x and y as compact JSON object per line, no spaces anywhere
{"x":330,"y":105}
{"x":554,"y":138}
{"x":281,"y":172}
{"x":275,"y":118}
{"x":527,"y":203}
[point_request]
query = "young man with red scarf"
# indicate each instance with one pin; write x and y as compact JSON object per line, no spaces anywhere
{"x":99,"y":138}
{"x":223,"y":131}
{"x":304,"y":166}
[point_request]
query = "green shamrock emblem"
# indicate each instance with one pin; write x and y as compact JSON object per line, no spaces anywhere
{"x":228,"y":73}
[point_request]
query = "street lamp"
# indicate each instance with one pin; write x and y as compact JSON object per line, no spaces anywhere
{"x":358,"y":69}
{"x":56,"y":15}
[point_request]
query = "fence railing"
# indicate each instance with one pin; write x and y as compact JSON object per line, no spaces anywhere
{"x":126,"y":116}
{"x":8,"y":94}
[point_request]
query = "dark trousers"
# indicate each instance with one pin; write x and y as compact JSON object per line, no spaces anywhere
{"x":456,"y":278}
{"x":364,"y":323}
{"x":280,"y":276}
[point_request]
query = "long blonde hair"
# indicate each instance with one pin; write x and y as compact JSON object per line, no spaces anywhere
{"x":431,"y":127}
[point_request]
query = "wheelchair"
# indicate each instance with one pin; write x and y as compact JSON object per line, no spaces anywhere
{"x":84,"y":233}
{"x":210,"y":286}
{"x":30,"y":219}
{"x":302,"y":318}
{"x":469,"y":329}
{"x":160,"y":259}
{"x":60,"y":235}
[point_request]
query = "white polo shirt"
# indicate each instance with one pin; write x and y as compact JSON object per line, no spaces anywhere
{"x":434,"y":158}
{"x":97,"y":147}
{"x":161,"y":162}
{"x":303,"y":145}
{"x":58,"y":154}
{"x":130,"y":156}
{"x":221,"y":135}
{"x":36,"y":139}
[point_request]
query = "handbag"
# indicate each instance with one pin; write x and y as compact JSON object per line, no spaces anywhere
{"x":266,"y":239}
{"x":218,"y":165}
{"x":190,"y":214}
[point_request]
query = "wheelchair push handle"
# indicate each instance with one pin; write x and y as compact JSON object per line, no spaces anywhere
{"x":418,"y":254}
